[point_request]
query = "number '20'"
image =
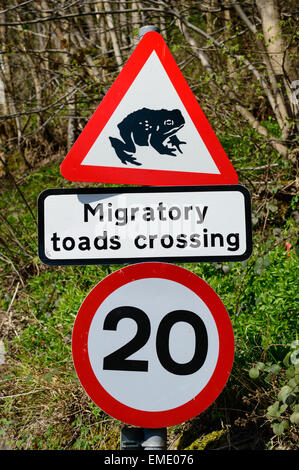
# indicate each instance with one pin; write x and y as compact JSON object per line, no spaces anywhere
{"x":117,"y":360}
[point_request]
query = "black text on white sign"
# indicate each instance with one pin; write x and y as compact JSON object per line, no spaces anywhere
{"x":119,"y":225}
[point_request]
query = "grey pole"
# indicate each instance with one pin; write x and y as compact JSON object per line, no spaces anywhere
{"x":146,"y":29}
{"x":144,"y":438}
{"x":134,"y":438}
{"x":155,"y":439}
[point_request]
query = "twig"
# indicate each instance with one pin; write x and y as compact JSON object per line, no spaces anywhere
{"x":262,"y":167}
{"x":10,"y":322}
{"x":22,"y":394}
{"x":7,"y":260}
{"x":14,"y":235}
{"x":13,"y":298}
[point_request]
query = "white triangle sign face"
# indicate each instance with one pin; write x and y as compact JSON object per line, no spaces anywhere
{"x":146,"y":108}
{"x":149,"y":129}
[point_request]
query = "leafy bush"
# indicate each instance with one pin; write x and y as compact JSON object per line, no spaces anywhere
{"x":281,"y":381}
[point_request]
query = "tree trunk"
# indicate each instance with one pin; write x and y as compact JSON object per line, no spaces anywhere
{"x":273,"y":38}
{"x":113,"y":36}
{"x":278,"y":59}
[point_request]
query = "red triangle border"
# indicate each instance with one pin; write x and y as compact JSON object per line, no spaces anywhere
{"x":71,"y":167}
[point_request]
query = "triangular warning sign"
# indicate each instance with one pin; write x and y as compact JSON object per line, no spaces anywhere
{"x":149,"y":129}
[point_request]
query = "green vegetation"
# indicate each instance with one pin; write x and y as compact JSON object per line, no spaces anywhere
{"x":43,"y":406}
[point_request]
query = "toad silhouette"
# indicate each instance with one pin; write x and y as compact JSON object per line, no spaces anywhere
{"x":148,"y":127}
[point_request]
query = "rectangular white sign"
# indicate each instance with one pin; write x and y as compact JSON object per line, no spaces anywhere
{"x":120,"y":225}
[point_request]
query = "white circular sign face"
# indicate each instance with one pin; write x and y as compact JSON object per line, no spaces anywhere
{"x":148,"y":347}
{"x":157,"y":388}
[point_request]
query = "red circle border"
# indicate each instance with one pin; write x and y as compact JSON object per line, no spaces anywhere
{"x":116,"y":409}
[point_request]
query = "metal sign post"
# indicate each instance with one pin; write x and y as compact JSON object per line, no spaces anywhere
{"x":143,"y":439}
{"x":152,"y":439}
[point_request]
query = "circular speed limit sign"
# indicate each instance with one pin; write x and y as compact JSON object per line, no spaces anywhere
{"x":153,"y":345}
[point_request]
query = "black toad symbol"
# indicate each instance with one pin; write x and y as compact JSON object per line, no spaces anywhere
{"x":148,"y":127}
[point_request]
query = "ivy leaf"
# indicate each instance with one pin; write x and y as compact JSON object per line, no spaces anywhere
{"x":279,"y":428}
{"x":287,"y":395}
{"x":284,"y":392}
{"x":293,"y":382}
{"x":273,"y":411}
{"x":274,"y":368}
{"x":290,"y":372}
{"x":283,"y":408}
{"x":294,"y":418}
{"x":254,"y":373}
